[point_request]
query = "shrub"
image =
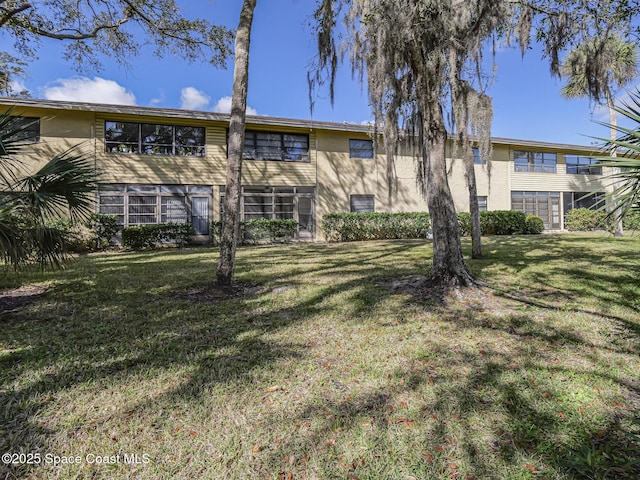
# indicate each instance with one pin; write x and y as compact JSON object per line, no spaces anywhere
{"x":104,"y":228}
{"x":631,"y":220}
{"x":502,"y":222}
{"x":464,"y":223}
{"x":140,"y":237}
{"x":268,"y":229}
{"x":349,"y":227}
{"x":533,"y":225}
{"x":262,"y":229}
{"x":584,"y":219}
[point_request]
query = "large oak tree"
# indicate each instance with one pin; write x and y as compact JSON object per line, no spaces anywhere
{"x":422,"y":57}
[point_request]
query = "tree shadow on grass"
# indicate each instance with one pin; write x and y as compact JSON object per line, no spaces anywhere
{"x":456,"y":413}
{"x":96,"y":330}
{"x":81,"y":336}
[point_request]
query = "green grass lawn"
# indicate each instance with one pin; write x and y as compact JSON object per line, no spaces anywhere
{"x":321,"y":371}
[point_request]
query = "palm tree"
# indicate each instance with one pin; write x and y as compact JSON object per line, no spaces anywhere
{"x":62,"y":187}
{"x":593,"y":70}
{"x":625,"y":197}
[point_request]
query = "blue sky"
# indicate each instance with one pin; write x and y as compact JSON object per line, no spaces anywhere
{"x":527,"y":102}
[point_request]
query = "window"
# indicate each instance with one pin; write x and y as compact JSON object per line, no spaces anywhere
{"x":360,"y":148}
{"x":23,"y":129}
{"x":476,"y":157}
{"x":154,"y":139}
{"x":546,"y":205}
{"x":482,"y":204}
{"x":286,"y":203}
{"x":580,"y":165}
{"x":111,"y":204}
{"x":173,"y":210}
{"x":534,"y":162}
{"x":288,"y":147}
{"x":142,"y":209}
{"x":363,"y":203}
{"x":148,"y":204}
{"x":589,"y":200}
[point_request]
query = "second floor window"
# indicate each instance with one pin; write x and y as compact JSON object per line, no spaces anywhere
{"x":542,"y":162}
{"x":577,"y":164}
{"x":286,"y":147}
{"x":360,"y":148}
{"x":154,"y":139}
{"x":23,"y":129}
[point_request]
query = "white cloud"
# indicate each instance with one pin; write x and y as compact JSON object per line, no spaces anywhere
{"x":83,"y":89}
{"x":224,"y":106}
{"x":16,"y":86}
{"x":193,"y":99}
{"x":154,"y":102}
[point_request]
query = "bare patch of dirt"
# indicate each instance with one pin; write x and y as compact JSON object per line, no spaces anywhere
{"x":215,"y":293}
{"x":15,"y":298}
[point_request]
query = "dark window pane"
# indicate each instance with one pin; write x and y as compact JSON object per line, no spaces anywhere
{"x":157,"y":139}
{"x":190,"y":141}
{"x":362,"y":203}
{"x":360,"y":148}
{"x":22,"y":129}
{"x":122,"y":137}
{"x":276,"y":146}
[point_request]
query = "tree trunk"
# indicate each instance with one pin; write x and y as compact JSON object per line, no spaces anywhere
{"x":231,"y":217}
{"x":448,"y":267}
{"x":618,"y":231}
{"x":476,"y":235}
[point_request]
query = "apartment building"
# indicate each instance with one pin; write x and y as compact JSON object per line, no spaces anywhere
{"x":165,"y":165}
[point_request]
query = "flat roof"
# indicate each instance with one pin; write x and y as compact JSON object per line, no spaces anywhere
{"x":251,"y":119}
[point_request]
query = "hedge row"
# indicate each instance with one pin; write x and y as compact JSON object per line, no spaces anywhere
{"x":140,"y":237}
{"x":584,"y":220}
{"x":260,"y":230}
{"x":502,"y":222}
{"x":349,"y":227}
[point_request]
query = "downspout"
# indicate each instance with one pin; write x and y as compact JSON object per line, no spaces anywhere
{"x":317,"y":187}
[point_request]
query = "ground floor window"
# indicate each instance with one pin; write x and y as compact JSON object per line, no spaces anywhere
{"x":545,"y":205}
{"x":571,"y":200}
{"x":145,"y":204}
{"x":272,"y":202}
{"x":362,"y":203}
{"x":482,"y":203}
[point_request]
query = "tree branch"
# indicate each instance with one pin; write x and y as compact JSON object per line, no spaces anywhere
{"x":79,"y":35}
{"x":9,"y":14}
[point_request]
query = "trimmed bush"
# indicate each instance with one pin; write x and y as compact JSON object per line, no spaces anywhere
{"x":260,"y":230}
{"x":349,"y":227}
{"x":501,"y":222}
{"x":141,"y":237}
{"x":584,"y":219}
{"x":533,"y":225}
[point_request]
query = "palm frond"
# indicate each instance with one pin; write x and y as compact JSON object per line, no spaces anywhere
{"x":63,"y":186}
{"x":12,"y":141}
{"x":625,"y":179}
